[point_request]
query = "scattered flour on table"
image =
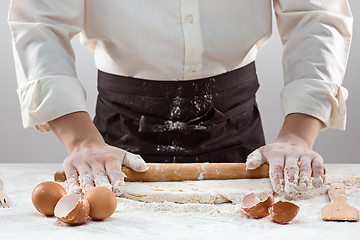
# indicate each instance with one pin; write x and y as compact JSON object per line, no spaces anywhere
{"x":135,"y":219}
{"x":205,"y":191}
{"x":352,"y":188}
{"x":126,"y":205}
{"x":214,"y":198}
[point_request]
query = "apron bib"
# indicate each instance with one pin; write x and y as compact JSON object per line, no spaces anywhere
{"x":213,"y":119}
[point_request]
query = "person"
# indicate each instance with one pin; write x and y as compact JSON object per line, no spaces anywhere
{"x":177,"y":83}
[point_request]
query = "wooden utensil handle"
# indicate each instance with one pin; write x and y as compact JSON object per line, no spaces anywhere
{"x":336,"y":193}
{"x":189,"y":172}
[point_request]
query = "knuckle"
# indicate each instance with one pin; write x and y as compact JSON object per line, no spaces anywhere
{"x":305,"y":168}
{"x":276,"y":168}
{"x":306,"y":159}
{"x":68,"y":161}
{"x":110,"y":159}
{"x":319,"y":159}
{"x":314,"y":154}
{"x":275,"y":153}
{"x":276,"y":161}
{"x":100,"y":172}
{"x":292,"y":168}
{"x":115,"y":175}
{"x":317,"y":165}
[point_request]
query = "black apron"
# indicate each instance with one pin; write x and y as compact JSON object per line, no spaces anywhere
{"x":214,"y":119}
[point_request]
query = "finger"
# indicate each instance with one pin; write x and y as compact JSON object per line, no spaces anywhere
{"x":276,"y":167}
{"x":305,"y":174}
{"x":254,"y":160}
{"x":291,"y":175}
{"x":318,"y":170}
{"x":86,"y":177}
{"x":135,"y":162}
{"x":71,"y":178}
{"x":116,"y":177}
{"x":100,"y":175}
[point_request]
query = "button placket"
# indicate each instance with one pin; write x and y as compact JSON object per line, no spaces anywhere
{"x":193,"y":41}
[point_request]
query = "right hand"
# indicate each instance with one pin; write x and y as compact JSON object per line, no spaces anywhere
{"x":92,"y":162}
{"x":100,"y":165}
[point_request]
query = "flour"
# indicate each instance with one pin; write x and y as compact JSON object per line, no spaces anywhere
{"x":291,"y":188}
{"x":202,"y":102}
{"x":226,"y":202}
{"x":205,"y":192}
{"x":305,"y":182}
{"x":101,"y":180}
{"x":172,"y":126}
{"x":169,"y":148}
{"x":177,"y":221}
{"x":182,"y":209}
{"x":175,"y":108}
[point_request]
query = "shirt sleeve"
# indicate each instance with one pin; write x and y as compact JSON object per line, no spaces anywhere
{"x":316,"y":35}
{"x":44,"y":59}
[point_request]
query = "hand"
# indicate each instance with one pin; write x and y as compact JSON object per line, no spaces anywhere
{"x":91,"y":162}
{"x":100,"y":165}
{"x":293,"y":168}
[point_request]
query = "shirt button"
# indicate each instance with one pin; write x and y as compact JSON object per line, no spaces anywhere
{"x":194,"y":68}
{"x":190,"y":19}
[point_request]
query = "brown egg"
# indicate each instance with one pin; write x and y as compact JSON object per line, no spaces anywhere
{"x":283,"y":212}
{"x":72,"y":209}
{"x":102,"y":202}
{"x":46,"y":195}
{"x":255,"y":208}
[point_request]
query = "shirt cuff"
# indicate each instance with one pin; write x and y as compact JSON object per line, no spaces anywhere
{"x":322,"y":100}
{"x":48,"y":98}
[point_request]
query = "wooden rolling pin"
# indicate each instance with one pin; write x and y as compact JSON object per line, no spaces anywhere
{"x":188,"y":172}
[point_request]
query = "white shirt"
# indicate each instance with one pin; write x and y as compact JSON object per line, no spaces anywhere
{"x":179,"y":40}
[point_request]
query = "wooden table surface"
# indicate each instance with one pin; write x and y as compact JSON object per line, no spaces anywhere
{"x":134,"y":220}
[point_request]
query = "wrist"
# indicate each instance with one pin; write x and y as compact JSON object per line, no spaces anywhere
{"x":300,"y":129}
{"x":76,"y":131}
{"x":78,"y":145}
{"x":294,"y":139}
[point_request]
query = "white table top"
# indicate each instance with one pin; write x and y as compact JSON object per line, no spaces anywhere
{"x":135,"y":220}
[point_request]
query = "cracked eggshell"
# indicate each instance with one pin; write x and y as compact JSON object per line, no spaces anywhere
{"x":102,"y":202}
{"x":72,"y":209}
{"x":46,"y":195}
{"x":284,"y":212}
{"x":255,"y":208}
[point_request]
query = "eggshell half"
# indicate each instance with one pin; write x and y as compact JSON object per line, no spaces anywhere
{"x":46,"y":195}
{"x":102,"y":202}
{"x":59,"y":177}
{"x":72,"y":209}
{"x":267,"y":195}
{"x":255,"y":208}
{"x":283,"y":212}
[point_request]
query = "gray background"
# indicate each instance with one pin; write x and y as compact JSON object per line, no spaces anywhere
{"x":18,"y":145}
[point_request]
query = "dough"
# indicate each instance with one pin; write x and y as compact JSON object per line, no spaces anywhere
{"x":206,"y":191}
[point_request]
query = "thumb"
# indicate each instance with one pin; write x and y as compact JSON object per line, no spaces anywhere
{"x":254,"y":160}
{"x":135,"y":162}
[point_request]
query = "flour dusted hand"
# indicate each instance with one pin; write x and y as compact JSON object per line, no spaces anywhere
{"x":100,"y":166}
{"x":92,"y":162}
{"x":292,"y":169}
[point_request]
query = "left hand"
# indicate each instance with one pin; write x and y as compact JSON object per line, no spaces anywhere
{"x":293,"y":168}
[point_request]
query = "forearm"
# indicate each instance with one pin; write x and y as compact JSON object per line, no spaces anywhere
{"x":300,"y":129}
{"x":75,"y":131}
